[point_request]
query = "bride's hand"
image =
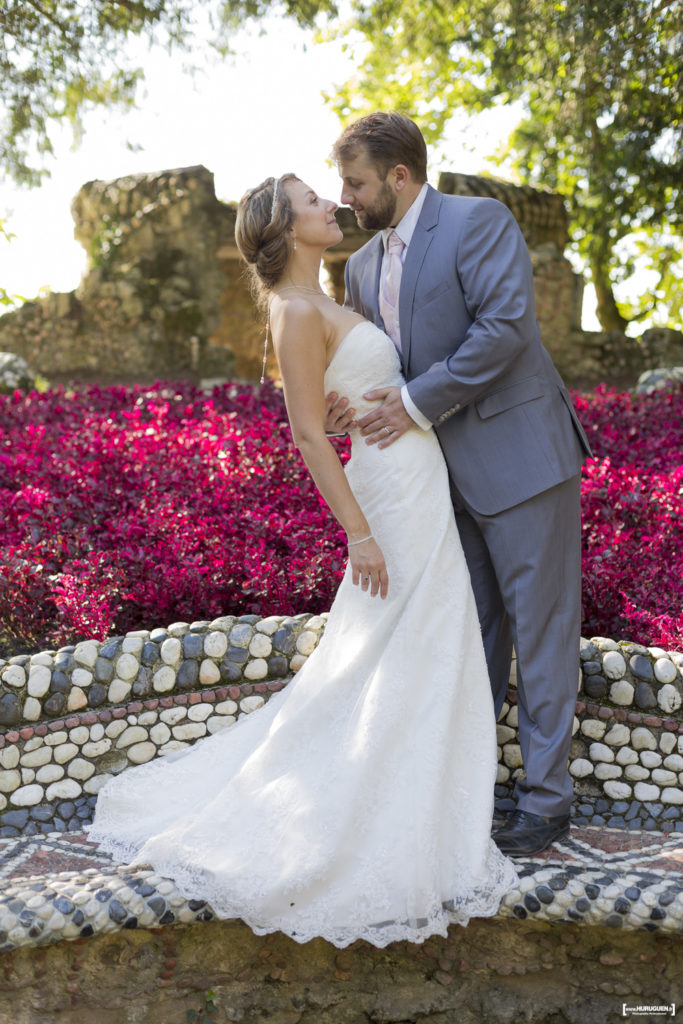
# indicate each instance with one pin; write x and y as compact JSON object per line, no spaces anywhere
{"x":339,"y":418}
{"x":368,"y":567}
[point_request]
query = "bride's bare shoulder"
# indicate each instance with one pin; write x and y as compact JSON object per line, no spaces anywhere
{"x":297,"y":324}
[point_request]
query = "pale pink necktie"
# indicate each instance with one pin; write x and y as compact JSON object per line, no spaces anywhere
{"x":388,"y":306}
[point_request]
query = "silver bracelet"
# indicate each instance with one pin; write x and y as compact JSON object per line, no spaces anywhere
{"x":361,"y":541}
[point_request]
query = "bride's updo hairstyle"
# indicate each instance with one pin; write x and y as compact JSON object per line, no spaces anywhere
{"x":264,"y":218}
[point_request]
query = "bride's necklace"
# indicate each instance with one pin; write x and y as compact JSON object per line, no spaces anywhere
{"x":303,"y":288}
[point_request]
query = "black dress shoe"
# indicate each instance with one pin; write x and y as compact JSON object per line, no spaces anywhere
{"x":499,"y":819}
{"x":525,"y":834}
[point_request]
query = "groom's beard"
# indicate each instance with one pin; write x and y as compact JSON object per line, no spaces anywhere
{"x":380,"y":214}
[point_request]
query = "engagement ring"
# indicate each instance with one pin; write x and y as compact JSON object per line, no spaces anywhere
{"x":387,"y":429}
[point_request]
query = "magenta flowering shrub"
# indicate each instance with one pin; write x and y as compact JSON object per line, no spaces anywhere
{"x":122,"y":508}
{"x":125,"y":507}
{"x":632,"y":516}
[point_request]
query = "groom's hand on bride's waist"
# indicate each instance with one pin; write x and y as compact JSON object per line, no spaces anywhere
{"x":388,"y":421}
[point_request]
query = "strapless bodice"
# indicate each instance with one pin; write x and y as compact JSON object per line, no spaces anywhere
{"x":366,"y":359}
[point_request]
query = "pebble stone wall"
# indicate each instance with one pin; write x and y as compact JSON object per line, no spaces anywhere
{"x":626,"y":756}
{"x":71,"y":719}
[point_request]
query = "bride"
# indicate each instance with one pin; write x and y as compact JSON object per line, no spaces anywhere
{"x":358,"y":802}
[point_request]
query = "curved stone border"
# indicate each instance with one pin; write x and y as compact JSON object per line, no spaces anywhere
{"x":70,"y":905}
{"x":578,"y":882}
{"x":629,"y":675}
{"x":575,"y":882}
{"x":151,"y":663}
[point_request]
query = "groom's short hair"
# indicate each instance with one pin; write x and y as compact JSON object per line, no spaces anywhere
{"x":388,"y":139}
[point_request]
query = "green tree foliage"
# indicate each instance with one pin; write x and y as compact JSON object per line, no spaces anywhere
{"x":5,"y":298}
{"x":601,"y":82}
{"x":59,"y":57}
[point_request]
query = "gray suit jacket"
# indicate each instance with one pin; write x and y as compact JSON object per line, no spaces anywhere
{"x":472,"y":353}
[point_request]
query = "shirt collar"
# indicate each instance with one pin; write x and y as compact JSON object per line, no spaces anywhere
{"x":406,"y":226}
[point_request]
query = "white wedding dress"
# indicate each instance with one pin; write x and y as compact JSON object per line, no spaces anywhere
{"x":357,"y":802}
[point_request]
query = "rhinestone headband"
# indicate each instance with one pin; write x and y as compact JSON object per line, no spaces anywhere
{"x":272,"y":208}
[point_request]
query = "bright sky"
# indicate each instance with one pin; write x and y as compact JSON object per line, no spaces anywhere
{"x":245,"y":117}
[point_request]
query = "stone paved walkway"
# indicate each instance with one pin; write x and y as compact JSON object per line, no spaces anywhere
{"x":59,"y":886}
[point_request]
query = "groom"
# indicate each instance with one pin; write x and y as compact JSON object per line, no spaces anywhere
{"x":449,"y":279}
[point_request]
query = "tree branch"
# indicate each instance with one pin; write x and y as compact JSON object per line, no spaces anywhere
{"x":49,"y":17}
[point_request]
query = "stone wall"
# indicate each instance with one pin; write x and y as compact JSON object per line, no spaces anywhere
{"x":586,"y":357}
{"x":505,"y":971}
{"x":149,"y":301}
{"x":165,"y":294}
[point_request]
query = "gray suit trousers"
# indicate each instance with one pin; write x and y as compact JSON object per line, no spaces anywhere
{"x":523,"y":564}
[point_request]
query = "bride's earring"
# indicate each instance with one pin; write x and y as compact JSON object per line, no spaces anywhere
{"x":294,"y":244}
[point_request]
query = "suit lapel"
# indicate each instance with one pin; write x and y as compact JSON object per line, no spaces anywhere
{"x":417,"y":250}
{"x":369,"y":281}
